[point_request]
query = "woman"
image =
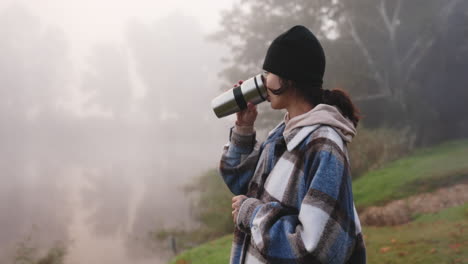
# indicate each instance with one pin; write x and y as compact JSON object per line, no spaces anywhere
{"x":294,"y":202}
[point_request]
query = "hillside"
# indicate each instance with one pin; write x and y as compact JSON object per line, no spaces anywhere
{"x":430,"y":238}
{"x":426,"y":170}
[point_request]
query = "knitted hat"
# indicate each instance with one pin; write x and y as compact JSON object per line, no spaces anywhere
{"x":298,"y":56}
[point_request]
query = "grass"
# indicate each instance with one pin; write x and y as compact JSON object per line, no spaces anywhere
{"x":214,"y":252}
{"x":431,"y":239}
{"x":425,"y":170}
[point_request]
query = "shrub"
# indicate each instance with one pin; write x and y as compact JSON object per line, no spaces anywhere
{"x":211,"y":209}
{"x":372,"y":148}
{"x":27,"y":254}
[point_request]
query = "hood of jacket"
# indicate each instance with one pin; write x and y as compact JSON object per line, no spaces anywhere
{"x":322,"y":114}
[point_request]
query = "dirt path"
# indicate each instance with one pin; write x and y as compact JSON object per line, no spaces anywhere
{"x":401,"y":211}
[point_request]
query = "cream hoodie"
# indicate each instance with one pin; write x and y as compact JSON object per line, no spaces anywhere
{"x":321,"y":114}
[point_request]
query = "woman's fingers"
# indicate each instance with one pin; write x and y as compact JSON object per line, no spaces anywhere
{"x":247,"y":116}
{"x":236,"y":200}
{"x":251,"y":107}
{"x":236,"y":203}
{"x":238,"y":83}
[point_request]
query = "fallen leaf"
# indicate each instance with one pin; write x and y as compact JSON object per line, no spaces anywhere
{"x":393,"y":240}
{"x":384,"y":249}
{"x":433,"y":250}
{"x":455,"y":246}
{"x":402,"y":254}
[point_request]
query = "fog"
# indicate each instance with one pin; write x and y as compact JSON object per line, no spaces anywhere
{"x":104,"y":110}
{"x":105,"y":104}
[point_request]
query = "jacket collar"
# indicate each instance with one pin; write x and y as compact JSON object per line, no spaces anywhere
{"x":296,"y":136}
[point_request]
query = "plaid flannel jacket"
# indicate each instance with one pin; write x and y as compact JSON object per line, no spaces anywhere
{"x":300,"y":207}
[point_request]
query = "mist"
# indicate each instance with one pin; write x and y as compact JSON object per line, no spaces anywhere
{"x":105,"y":109}
{"x":100,"y":135}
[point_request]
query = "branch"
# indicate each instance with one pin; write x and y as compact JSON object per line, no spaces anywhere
{"x":390,"y":25}
{"x":444,"y":14}
{"x":383,"y":14}
{"x":413,"y":48}
{"x":365,"y":52}
{"x":396,"y":13}
{"x":371,"y":97}
{"x":450,"y":6}
{"x":418,"y":59}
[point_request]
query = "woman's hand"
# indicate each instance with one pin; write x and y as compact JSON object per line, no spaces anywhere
{"x":236,"y":204}
{"x":247,"y":116}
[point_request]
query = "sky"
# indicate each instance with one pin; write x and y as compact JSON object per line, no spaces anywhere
{"x":87,"y":22}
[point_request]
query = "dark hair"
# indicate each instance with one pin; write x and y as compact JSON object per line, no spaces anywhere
{"x":341,"y":99}
{"x":317,"y":95}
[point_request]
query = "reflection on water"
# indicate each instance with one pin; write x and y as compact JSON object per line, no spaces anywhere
{"x":100,"y":200}
{"x":89,"y":247}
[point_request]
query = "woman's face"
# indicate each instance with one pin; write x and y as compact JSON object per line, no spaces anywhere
{"x":277,"y":101}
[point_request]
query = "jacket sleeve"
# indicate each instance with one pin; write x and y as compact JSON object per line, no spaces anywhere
{"x":239,"y":160}
{"x":321,"y":231}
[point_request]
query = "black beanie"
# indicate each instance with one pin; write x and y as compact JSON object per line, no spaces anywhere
{"x":298,"y":56}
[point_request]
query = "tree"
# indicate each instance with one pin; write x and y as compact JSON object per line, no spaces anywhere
{"x":32,"y":57}
{"x":107,"y":81}
{"x":392,"y":39}
{"x":250,"y":26}
{"x":377,"y":50}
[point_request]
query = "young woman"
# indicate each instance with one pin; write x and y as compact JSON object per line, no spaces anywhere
{"x":294,"y":202}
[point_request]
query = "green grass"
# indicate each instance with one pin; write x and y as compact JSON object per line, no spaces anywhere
{"x":430,"y":239}
{"x":425,"y":170}
{"x":214,"y":252}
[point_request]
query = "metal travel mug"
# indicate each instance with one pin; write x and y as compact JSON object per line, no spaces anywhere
{"x":235,"y":100}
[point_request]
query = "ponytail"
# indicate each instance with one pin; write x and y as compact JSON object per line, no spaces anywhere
{"x":341,"y":99}
{"x":316,"y":95}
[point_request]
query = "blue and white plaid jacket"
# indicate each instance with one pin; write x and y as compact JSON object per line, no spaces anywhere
{"x":300,"y":207}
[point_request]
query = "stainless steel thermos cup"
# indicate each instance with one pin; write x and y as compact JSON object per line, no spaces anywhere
{"x":234,"y":100}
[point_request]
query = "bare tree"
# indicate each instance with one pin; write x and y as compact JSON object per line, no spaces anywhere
{"x":403,"y":46}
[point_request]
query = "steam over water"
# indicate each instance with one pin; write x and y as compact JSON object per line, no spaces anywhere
{"x":98,"y":140}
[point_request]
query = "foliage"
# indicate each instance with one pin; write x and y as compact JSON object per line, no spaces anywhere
{"x":211,"y":209}
{"x":372,"y":148}
{"x":248,"y":37}
{"x":28,"y":254}
{"x":377,"y":50}
{"x":444,"y":164}
{"x":213,"y":206}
